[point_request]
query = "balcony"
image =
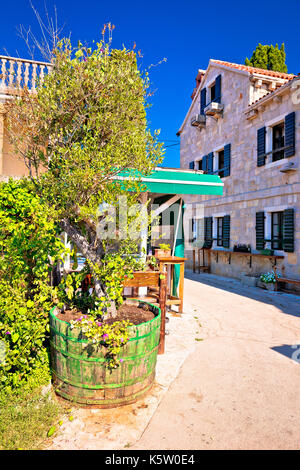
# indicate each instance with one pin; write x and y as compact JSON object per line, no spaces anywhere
{"x":198,"y":121}
{"x":214,"y":110}
{"x":16,"y":74}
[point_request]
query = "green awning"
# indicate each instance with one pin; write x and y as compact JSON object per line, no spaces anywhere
{"x":178,"y":181}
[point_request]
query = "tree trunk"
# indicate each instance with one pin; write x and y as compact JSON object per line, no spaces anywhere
{"x":92,"y":255}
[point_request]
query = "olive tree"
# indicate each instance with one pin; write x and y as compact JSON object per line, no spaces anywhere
{"x":85,"y":125}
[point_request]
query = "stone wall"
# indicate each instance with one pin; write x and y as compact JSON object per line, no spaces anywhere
{"x":11,"y":165}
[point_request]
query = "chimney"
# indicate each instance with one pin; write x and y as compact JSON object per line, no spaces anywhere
{"x":199,"y":77}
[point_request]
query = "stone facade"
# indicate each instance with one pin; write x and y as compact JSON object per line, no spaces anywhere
{"x":251,"y":101}
{"x":15,"y":74}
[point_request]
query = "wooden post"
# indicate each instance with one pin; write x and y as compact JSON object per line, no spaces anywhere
{"x":180,"y":287}
{"x":162,"y":305}
{"x":194,"y":260}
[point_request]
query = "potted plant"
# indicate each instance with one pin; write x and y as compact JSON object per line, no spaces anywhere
{"x":95,"y":361}
{"x":267,"y":251}
{"x":164,"y":250}
{"x":84,"y":163}
{"x":268,"y":280}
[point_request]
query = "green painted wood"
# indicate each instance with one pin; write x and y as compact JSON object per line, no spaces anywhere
{"x":78,"y":366}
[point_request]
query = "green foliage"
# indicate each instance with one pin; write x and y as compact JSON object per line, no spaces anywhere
{"x":113,"y":337}
{"x":269,"y":277}
{"x":268,"y":58}
{"x":164,"y":246}
{"x":86,"y":124}
{"x":70,"y":295}
{"x":28,"y":242}
{"x":26,"y":419}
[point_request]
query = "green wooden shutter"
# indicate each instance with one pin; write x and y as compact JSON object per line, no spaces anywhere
{"x":226,"y":231}
{"x":260,"y":230}
{"x":288,"y":230}
{"x":192,"y":165}
{"x":289,"y":137}
{"x":261,"y":146}
{"x":218,"y":89}
{"x":210,"y":163}
{"x":227,"y":158}
{"x":202,"y":100}
{"x":208,"y":235}
{"x":204,"y":163}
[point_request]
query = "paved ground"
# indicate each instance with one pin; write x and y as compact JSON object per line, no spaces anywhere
{"x":240,"y":388}
{"x":237,"y":388}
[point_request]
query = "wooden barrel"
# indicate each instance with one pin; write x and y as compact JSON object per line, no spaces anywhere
{"x":78,"y":366}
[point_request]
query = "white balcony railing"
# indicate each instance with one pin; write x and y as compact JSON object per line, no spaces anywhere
{"x":20,"y":73}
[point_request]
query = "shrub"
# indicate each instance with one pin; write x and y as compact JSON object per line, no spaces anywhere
{"x":28,"y":245}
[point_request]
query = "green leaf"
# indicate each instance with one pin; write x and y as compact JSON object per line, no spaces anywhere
{"x":15,"y":337}
{"x":51,"y":431}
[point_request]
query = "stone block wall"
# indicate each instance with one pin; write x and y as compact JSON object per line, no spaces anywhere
{"x":249,"y":188}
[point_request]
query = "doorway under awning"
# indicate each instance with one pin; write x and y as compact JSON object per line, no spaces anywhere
{"x":167,"y":187}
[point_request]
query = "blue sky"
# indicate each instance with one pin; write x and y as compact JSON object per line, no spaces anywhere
{"x":187,"y":33}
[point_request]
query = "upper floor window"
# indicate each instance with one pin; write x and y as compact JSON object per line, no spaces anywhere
{"x":213,"y":92}
{"x":278,"y":142}
{"x":220,"y":162}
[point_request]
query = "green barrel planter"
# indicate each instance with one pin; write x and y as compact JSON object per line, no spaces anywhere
{"x":78,"y":366}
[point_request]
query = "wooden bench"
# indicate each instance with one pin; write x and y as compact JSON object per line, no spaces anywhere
{"x":278,"y":280}
{"x":152,"y":279}
{"x":287,"y":280}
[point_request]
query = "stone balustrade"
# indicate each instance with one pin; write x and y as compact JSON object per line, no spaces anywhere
{"x":16,"y":73}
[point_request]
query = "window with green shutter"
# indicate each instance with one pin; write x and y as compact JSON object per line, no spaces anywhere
{"x":277,"y":230}
{"x":290,"y":139}
{"x":208,"y":233}
{"x":204,"y":163}
{"x":227,"y":158}
{"x":261,"y":146}
{"x":288,"y":230}
{"x":226,"y":231}
{"x":210,"y":163}
{"x":260,"y":230}
{"x":218,"y":89}
{"x":191,"y":165}
{"x":202,"y":100}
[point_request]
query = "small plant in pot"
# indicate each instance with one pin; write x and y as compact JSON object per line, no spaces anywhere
{"x":164,"y":250}
{"x":268,"y":280}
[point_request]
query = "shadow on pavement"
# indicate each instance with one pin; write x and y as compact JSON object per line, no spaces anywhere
{"x":292,"y":351}
{"x":287,"y":303}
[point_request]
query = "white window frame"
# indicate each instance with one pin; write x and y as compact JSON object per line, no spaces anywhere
{"x":268,"y":225}
{"x":269,"y":141}
{"x":215,"y":230}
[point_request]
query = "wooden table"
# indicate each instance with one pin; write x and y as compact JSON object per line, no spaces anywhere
{"x":172,"y":261}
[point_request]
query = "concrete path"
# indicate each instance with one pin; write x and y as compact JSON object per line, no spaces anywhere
{"x":240,"y":388}
{"x":227,"y":380}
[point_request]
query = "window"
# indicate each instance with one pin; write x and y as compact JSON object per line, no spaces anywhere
{"x":277,"y":230}
{"x":221,"y":163}
{"x":220,"y":231}
{"x":200,"y":165}
{"x":212,"y":92}
{"x":278,"y":142}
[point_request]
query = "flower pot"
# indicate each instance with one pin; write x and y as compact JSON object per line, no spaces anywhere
{"x":159,"y":253}
{"x":266,"y":285}
{"x":78,"y":366}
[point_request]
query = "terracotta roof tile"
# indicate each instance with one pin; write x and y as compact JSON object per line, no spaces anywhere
{"x":246,"y":68}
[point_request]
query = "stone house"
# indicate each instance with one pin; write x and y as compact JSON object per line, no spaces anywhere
{"x":15,"y":73}
{"x":244,"y":125}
